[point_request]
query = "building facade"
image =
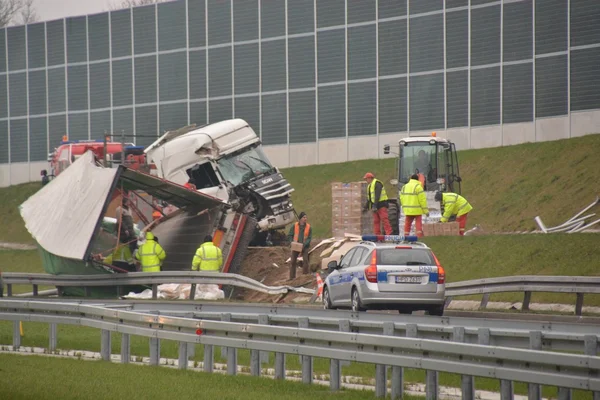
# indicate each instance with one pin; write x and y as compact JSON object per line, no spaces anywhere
{"x":319,"y":80}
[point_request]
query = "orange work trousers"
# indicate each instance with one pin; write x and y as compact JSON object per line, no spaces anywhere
{"x":379,"y":216}
{"x":408,"y":220}
{"x":462,"y":223}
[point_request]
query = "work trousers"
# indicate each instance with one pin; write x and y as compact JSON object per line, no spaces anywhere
{"x":381,"y":215}
{"x":462,"y":223}
{"x":408,"y":220}
{"x":305,"y":265}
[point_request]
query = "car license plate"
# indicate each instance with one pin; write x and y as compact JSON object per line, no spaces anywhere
{"x":408,"y":279}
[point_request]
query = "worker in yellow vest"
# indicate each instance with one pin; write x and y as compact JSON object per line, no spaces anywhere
{"x":208,"y":257}
{"x":150,"y":254}
{"x":454,"y":205}
{"x":300,"y":232}
{"x":414,"y":205}
{"x":121,"y":257}
{"x":377,"y":201}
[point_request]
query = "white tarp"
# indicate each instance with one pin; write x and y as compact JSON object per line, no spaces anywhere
{"x":63,"y":215}
{"x":174,"y":291}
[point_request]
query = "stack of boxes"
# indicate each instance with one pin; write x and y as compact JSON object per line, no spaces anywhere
{"x":437,"y":229}
{"x":348,"y":200}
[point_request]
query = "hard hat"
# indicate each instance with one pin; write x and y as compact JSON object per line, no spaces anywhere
{"x":368,"y":175}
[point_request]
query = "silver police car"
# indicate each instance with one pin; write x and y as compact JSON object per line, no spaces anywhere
{"x":386,"y":272}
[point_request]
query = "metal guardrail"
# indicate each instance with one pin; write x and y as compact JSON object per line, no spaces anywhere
{"x":533,"y":366}
{"x":578,"y":285}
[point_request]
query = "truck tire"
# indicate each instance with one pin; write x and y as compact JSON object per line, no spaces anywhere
{"x":240,"y":254}
{"x":393,"y":217}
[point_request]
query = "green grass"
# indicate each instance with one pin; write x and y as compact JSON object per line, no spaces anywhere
{"x":13,"y":227}
{"x":25,"y":261}
{"x":507,"y":186}
{"x":76,"y":379}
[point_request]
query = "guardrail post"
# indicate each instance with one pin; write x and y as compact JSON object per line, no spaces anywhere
{"x":535,"y":343}
{"x":565,"y":393}
{"x":590,"y":343}
{"x":380,"y":369}
{"x":154,"y":291}
{"x":431,"y":377}
{"x":1,"y":286}
{"x":183,"y":355}
{"x":35,"y":290}
{"x":447,"y":301}
{"x":467,"y":382}
{"x":397,"y":372}
{"x":257,"y":356}
{"x":307,"y":361}
{"x":279,"y":365}
{"x":263,"y":319}
{"x":193,"y":291}
{"x":484,"y":301}
{"x":209,"y":361}
{"x":225,"y":318}
{"x":9,"y":289}
{"x":125,"y":348}
{"x":105,"y":345}
{"x":344,"y":327}
{"x":154,"y":351}
{"x":53,"y":337}
{"x":335,"y":367}
{"x":16,"y":334}
{"x":87,"y":291}
{"x":526,"y":301}
{"x":579,"y":304}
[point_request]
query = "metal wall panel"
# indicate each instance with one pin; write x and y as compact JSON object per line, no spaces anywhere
{"x":3,"y":97}
{"x":331,"y":13}
{"x":457,"y":94}
{"x":585,"y":22}
{"x":37,"y":92}
{"x":146,"y":129}
{"x":219,"y":71}
{"x":57,"y":127}
{"x":457,"y":39}
{"x":391,"y":8}
{"x":57,"y":99}
{"x":4,"y":142}
{"x":77,"y":78}
{"x":274,"y":125}
{"x":485,"y":96}
{"x":362,"y":49}
{"x":172,"y":116}
{"x":2,"y":50}
{"x":361,"y":10}
{"x":272,"y":18}
{"x":219,"y":22}
{"x":145,"y":79}
{"x":16,"y":48}
{"x":78,"y":126}
{"x":303,"y":127}
{"x":100,"y":85}
{"x":36,"y":45}
{"x":551,"y":25}
{"x":198,"y":112}
{"x":423,"y":6}
{"x":220,"y":110}
{"x":144,"y":29}
{"x":427,"y":43}
{"x":55,"y":42}
{"x":247,"y":108}
{"x":18,"y":87}
{"x":585,"y":79}
{"x":331,"y":53}
{"x":18,"y":140}
{"x":392,"y":47}
{"x":456,"y":3}
{"x":100,"y":126}
{"x":551,"y":84}
{"x":197,"y":74}
{"x":173,"y":76}
{"x":196,"y":23}
{"x":332,"y":111}
{"x":518,"y":35}
{"x":76,"y":39}
{"x":123,"y":123}
{"x":426,"y":102}
{"x":122,"y":86}
{"x":120,"y":30}
{"x":517,"y":93}
{"x":301,"y":16}
{"x":245,"y":20}
{"x":273,"y":65}
{"x":98,"y":37}
{"x":246,"y":68}
{"x":171,"y":25}
{"x":392,"y":105}
{"x":485,"y":35}
{"x":362,"y":109}
{"x":480,"y":2}
{"x":301,"y":62}
{"x":38,"y":143}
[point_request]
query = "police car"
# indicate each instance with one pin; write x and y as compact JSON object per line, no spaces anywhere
{"x":386,"y":272}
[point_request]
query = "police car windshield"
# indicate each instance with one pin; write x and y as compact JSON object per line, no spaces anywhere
{"x":404,"y":257}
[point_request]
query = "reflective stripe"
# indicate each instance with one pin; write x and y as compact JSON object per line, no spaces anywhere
{"x":208,"y":258}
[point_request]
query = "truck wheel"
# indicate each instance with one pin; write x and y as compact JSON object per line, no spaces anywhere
{"x":393,"y":217}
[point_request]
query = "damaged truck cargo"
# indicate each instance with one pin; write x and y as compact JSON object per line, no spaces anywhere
{"x":226,"y":160}
{"x":72,"y":221}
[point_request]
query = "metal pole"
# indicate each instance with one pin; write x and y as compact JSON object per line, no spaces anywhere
{"x":154,"y":351}
{"x":183,"y":355}
{"x":105,"y":345}
{"x":535,"y":343}
{"x":53,"y":337}
{"x":125,"y":348}
{"x":307,"y":361}
{"x":467,"y":382}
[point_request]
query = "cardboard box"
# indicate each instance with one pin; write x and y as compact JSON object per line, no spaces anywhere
{"x":296,"y":246}
{"x":437,"y":229}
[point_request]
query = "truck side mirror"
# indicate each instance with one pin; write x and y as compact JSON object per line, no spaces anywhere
{"x":386,"y":149}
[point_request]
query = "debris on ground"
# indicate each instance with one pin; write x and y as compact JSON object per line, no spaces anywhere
{"x":575,"y":224}
{"x":174,"y":291}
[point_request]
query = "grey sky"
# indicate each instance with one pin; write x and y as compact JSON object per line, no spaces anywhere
{"x":54,"y":9}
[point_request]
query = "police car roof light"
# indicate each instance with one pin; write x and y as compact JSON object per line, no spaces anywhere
{"x":389,"y":238}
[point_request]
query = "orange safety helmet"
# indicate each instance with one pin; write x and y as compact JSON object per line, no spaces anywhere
{"x":368,"y":175}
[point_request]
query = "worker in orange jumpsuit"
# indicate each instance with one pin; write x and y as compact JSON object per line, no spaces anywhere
{"x":377,"y":201}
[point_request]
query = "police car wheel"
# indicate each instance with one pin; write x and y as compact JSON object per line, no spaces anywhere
{"x":326,"y":299}
{"x":356,"y":303}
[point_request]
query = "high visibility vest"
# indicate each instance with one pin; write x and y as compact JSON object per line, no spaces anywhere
{"x":208,"y":257}
{"x":150,"y":255}
{"x":297,"y":231}
{"x":122,"y":254}
{"x":413,"y":198}
{"x":454,"y":204}
{"x":371,"y":192}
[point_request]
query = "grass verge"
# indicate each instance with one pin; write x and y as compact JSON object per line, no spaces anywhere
{"x":13,"y":227}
